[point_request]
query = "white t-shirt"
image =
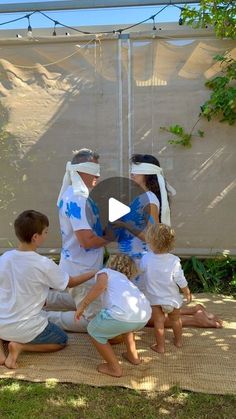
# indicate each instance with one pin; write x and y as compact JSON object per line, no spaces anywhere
{"x":163,"y":276}
{"x":74,"y":215}
{"x":25,"y":278}
{"x":127,"y":242}
{"x":123,"y":299}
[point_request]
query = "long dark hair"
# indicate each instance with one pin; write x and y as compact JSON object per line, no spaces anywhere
{"x":150,"y":180}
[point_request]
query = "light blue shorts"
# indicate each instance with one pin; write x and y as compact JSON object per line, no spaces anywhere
{"x":104,"y":327}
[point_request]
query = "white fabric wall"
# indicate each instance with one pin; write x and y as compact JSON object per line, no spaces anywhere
{"x":113,"y":95}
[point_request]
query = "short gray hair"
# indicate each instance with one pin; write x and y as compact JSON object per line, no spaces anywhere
{"x":83,"y":155}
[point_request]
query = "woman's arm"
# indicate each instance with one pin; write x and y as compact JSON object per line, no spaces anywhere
{"x":94,"y":293}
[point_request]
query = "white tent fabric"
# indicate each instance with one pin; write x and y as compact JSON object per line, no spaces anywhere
{"x":113,"y":95}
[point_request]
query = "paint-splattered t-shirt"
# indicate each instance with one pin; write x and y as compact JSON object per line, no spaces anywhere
{"x":137,"y":218}
{"x":78,"y":213}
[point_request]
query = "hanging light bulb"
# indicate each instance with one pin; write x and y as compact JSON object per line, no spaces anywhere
{"x":29,"y":33}
{"x":154,"y":26}
{"x":54,"y":30}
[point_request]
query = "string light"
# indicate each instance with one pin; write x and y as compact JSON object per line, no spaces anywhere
{"x":154,"y":26}
{"x":29,"y":33}
{"x":54,"y":30}
{"x":114,"y":31}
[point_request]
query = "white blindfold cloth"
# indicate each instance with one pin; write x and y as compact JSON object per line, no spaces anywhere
{"x":73,"y":178}
{"x":152,"y":169}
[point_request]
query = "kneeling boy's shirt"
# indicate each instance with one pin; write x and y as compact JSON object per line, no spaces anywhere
{"x":25,"y":279}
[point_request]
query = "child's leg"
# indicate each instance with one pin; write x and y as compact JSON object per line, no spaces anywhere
{"x":159,"y":321}
{"x":2,"y":353}
{"x":51,"y":339}
{"x":176,"y":324}
{"x":131,"y":355}
{"x":112,"y":366}
{"x":16,"y":348}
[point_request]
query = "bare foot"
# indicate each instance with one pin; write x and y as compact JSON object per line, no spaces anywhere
{"x":14,"y":349}
{"x":158,"y":348}
{"x":130,"y":358}
{"x":108,"y":370}
{"x":178,"y":343}
{"x":2,"y":353}
{"x":205,"y":319}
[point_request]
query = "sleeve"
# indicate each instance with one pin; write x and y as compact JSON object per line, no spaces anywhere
{"x":178,"y":275}
{"x":77,"y":213}
{"x":56,"y":278}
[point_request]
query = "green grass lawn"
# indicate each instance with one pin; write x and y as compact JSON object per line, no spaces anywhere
{"x":24,"y":400}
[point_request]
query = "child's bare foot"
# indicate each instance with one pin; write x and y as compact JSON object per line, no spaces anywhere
{"x":178,"y":343}
{"x":132,"y":359}
{"x":14,"y":349}
{"x":158,"y":348}
{"x":108,"y":370}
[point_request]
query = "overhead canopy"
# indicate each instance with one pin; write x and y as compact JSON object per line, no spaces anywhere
{"x":83,"y":4}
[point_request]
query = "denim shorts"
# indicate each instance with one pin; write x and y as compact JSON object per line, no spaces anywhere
{"x":51,"y":334}
{"x":104,"y":327}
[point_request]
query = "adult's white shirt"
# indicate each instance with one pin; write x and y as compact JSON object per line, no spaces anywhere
{"x":123,"y":300}
{"x":25,"y":278}
{"x":162,"y":278}
{"x":78,"y":213}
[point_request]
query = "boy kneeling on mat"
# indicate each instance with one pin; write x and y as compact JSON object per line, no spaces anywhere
{"x":25,"y":279}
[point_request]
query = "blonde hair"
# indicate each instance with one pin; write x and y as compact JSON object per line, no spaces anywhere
{"x":160,"y":238}
{"x":124,"y":264}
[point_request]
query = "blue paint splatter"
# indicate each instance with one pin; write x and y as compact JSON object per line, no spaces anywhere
{"x":65,"y":253}
{"x":60,"y":204}
{"x":73,"y":210}
{"x":97,"y":228}
{"x":93,"y":206}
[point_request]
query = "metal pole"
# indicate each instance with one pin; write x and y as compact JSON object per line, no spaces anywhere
{"x":83,"y":4}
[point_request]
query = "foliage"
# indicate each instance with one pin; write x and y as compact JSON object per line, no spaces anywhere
{"x":181,"y":137}
{"x":216,"y":275}
{"x":222,"y":102}
{"x":221,"y":14}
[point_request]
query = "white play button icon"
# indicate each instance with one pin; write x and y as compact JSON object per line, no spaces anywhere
{"x":116,"y":209}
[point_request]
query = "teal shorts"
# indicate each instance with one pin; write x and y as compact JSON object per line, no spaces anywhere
{"x":104,"y":327}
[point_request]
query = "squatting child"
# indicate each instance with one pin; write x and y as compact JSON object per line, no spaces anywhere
{"x":124,"y":310}
{"x":25,"y":279}
{"x":164,"y":278}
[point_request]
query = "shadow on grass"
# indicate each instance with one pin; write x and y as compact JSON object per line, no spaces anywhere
{"x":51,"y":400}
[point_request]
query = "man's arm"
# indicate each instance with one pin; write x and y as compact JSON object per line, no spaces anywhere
{"x":89,"y":240}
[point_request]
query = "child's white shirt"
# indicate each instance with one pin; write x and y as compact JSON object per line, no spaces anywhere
{"x":25,"y":279}
{"x":123,"y":300}
{"x":163,"y":276}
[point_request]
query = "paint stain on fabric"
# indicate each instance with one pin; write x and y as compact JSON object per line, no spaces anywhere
{"x":73,"y":210}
